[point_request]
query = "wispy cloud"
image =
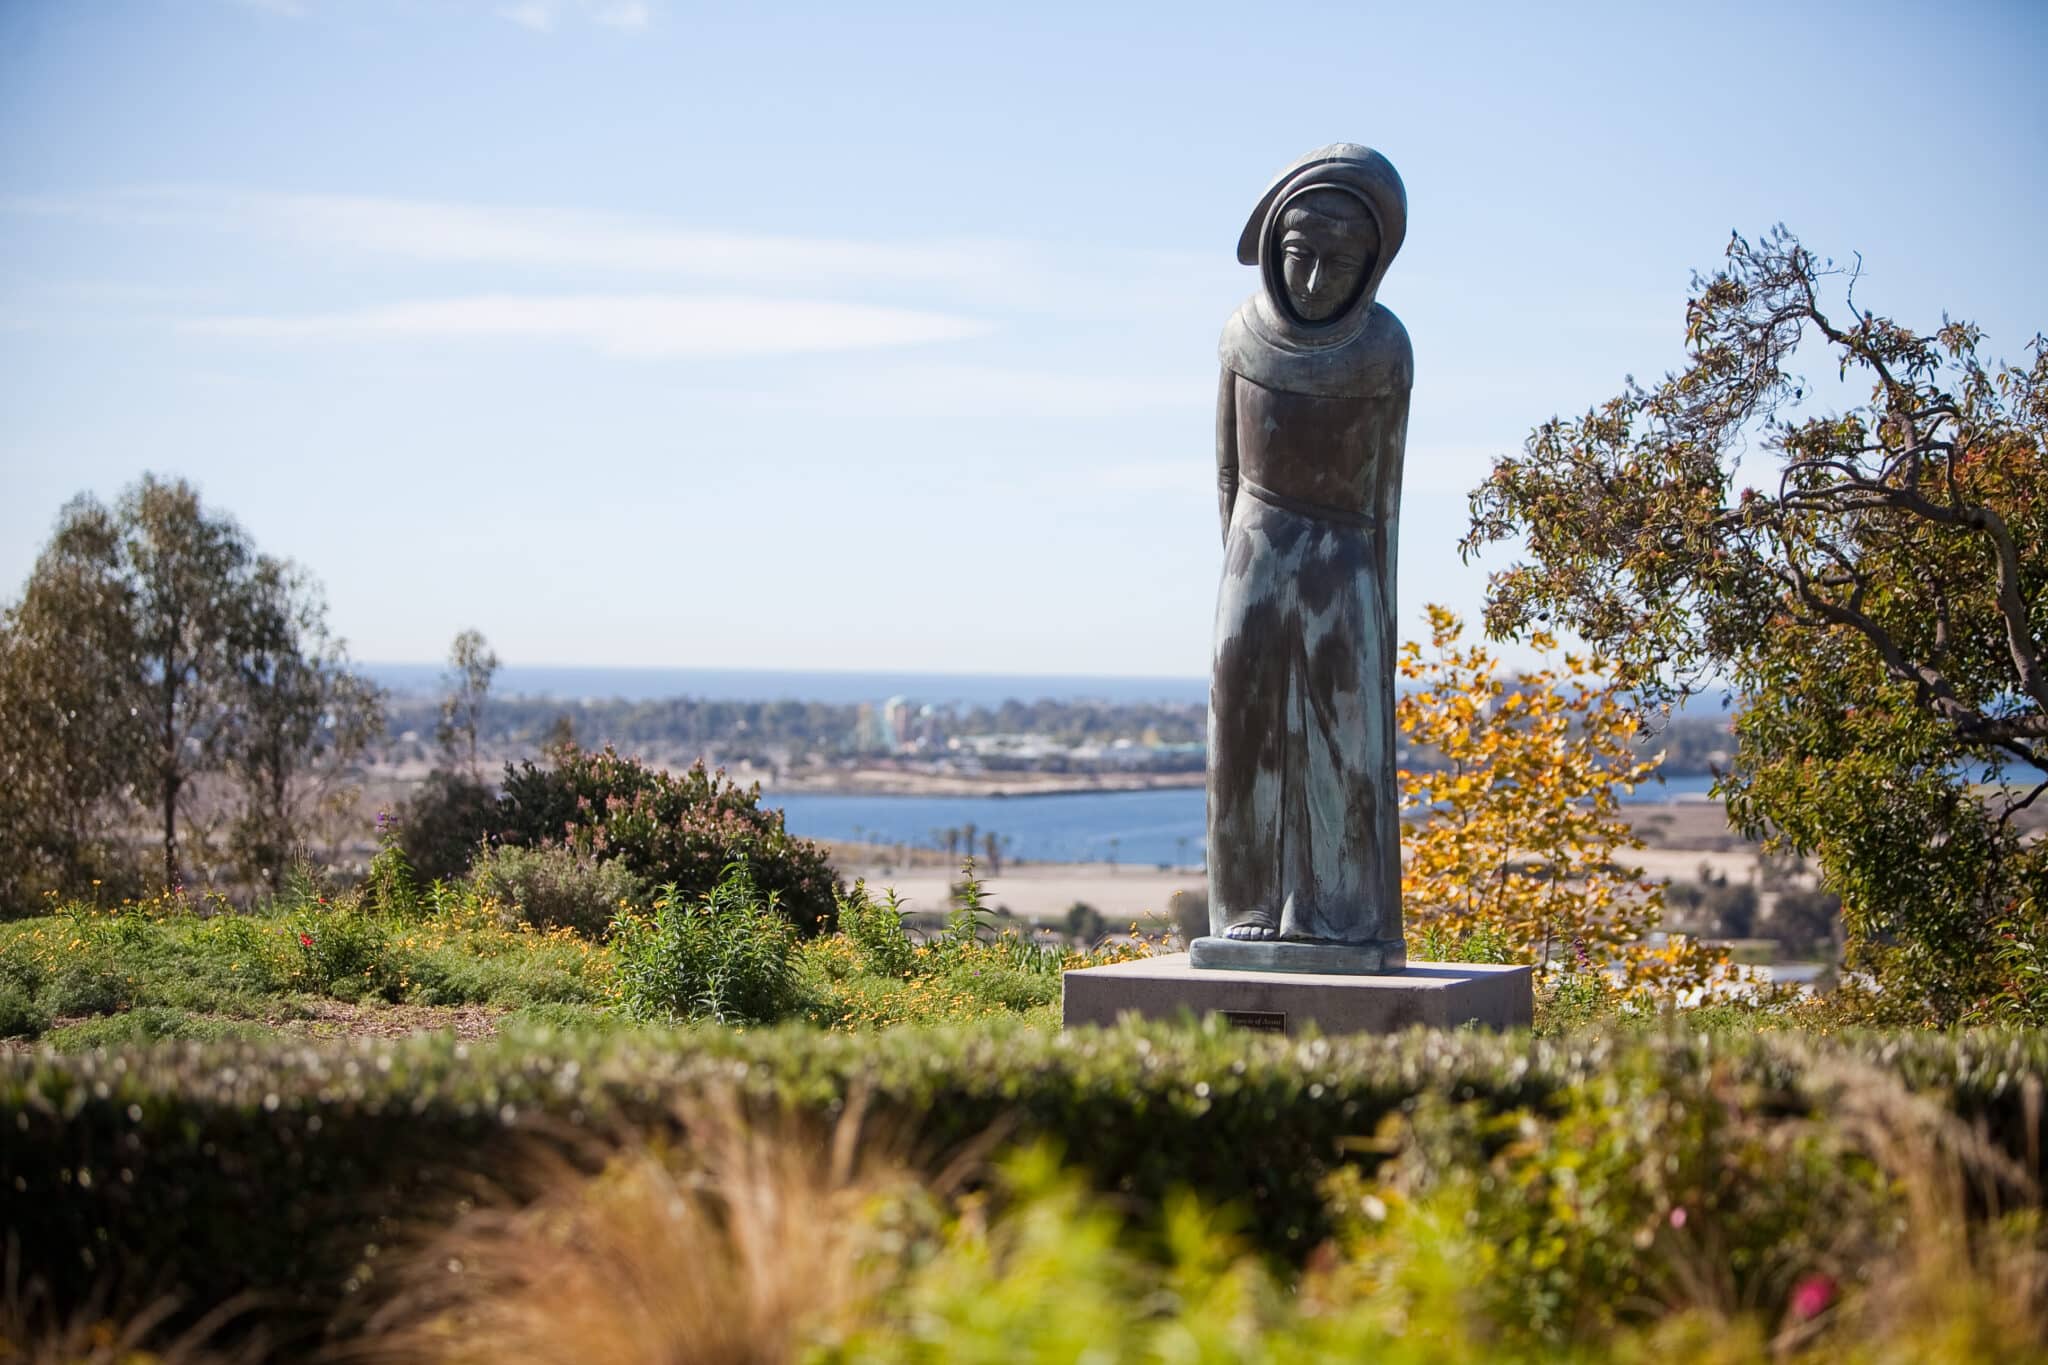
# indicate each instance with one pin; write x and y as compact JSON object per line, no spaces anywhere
{"x":648,"y":326}
{"x":627,"y":14}
{"x":531,"y":14}
{"x":553,"y":239}
{"x":946,"y":389}
{"x":543,"y":16}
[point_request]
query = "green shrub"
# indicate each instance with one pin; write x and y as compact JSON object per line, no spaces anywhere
{"x":345,"y":954}
{"x":20,"y":973}
{"x":1435,"y":941}
{"x":540,"y":1025}
{"x":726,"y":956}
{"x":392,"y":886}
{"x":1086,"y":926}
{"x":445,"y":822}
{"x":555,"y":887}
{"x":149,"y":1024}
{"x":88,"y":986}
{"x":667,"y":829}
{"x":21,"y":1014}
{"x":876,"y":929}
{"x":245,"y":951}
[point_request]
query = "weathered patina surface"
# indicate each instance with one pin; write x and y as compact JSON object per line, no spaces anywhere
{"x":1312,"y":419}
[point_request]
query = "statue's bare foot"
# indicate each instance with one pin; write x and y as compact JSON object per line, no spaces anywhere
{"x":1254,"y":929}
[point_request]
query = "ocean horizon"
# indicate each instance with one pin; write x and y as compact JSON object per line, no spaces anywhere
{"x":574,"y":682}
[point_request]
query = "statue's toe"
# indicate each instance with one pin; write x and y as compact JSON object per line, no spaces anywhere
{"x":1250,"y":930}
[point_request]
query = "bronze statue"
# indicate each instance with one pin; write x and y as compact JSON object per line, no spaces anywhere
{"x":1311,"y":422}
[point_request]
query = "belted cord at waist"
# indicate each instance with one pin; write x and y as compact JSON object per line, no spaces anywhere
{"x":1301,"y":507}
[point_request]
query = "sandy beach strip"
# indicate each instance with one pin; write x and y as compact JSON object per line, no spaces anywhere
{"x":1680,"y":836}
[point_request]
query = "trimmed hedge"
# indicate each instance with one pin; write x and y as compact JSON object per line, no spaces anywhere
{"x":214,"y":1169}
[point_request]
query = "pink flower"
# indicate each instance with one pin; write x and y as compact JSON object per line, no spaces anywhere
{"x":1678,"y":1216}
{"x":1812,"y":1296}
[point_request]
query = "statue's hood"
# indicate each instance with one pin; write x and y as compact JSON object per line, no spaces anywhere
{"x":1353,"y":353}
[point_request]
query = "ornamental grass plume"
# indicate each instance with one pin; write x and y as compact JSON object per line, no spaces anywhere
{"x":738,"y":1245}
{"x":1949,"y":1267}
{"x":1968,"y":1277}
{"x":31,"y":1333}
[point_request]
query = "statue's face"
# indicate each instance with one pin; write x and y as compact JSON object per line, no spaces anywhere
{"x":1327,"y":245}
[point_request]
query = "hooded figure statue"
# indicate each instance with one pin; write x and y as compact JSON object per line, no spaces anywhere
{"x":1311,"y":421}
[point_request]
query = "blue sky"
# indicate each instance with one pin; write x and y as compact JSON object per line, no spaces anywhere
{"x":882,"y":337}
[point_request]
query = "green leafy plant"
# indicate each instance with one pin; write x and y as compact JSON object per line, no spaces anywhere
{"x":875,"y":928}
{"x":391,"y":886}
{"x":726,"y":955}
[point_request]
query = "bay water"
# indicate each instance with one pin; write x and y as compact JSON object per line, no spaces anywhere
{"x":1139,"y":828}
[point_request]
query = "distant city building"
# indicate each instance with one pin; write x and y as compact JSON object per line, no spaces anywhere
{"x":896,"y":723}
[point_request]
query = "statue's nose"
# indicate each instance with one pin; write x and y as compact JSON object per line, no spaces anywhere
{"x":1315,"y":277}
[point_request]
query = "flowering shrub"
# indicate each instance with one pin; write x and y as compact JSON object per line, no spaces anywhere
{"x":346,"y":955}
{"x":1520,"y":839}
{"x":668,"y":829}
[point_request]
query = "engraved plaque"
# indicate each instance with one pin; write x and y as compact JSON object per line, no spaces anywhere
{"x":1255,"y":1021}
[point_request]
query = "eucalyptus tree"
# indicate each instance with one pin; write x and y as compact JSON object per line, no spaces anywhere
{"x":72,"y":739}
{"x":154,"y":644}
{"x":466,"y":686}
{"x":301,"y":717}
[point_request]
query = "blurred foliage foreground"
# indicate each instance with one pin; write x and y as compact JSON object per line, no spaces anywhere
{"x":993,"y":1192}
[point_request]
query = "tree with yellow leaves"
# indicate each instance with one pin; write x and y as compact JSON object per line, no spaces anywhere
{"x":1514,"y":840}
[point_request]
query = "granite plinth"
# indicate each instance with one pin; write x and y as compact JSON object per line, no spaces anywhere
{"x":1210,"y":953}
{"x":1430,"y":994}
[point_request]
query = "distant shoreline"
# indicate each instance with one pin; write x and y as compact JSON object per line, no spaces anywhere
{"x":891,"y":782}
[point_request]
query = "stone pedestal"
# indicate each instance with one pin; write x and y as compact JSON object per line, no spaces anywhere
{"x":1432,"y":994}
{"x":1210,"y":953}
